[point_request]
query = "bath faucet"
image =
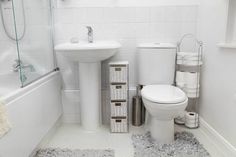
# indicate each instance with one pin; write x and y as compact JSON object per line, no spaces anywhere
{"x":90,"y":34}
{"x":19,"y":64}
{"x":16,"y":65}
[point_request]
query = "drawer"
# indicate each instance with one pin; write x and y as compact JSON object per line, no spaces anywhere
{"x":119,"y":124}
{"x":119,"y":108}
{"x":119,"y":74}
{"x":118,"y":91}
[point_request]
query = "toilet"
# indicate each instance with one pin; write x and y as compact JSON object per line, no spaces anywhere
{"x":162,"y":100}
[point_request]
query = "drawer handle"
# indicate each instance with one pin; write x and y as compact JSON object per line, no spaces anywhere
{"x":118,"y":121}
{"x":117,"y":69}
{"x":118,"y":87}
{"x":117,"y":104}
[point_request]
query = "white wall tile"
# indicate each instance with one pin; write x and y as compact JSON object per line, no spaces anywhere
{"x":157,"y":14}
{"x":65,"y":32}
{"x":71,"y":109}
{"x":142,"y":14}
{"x":190,"y":14}
{"x":80,"y":15}
{"x":64,"y":16}
{"x":172,"y":13}
{"x":119,"y":15}
{"x":94,"y":15}
{"x":142,"y":30}
{"x":127,"y":25}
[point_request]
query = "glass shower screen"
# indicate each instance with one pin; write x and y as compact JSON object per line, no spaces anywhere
{"x":34,"y":38}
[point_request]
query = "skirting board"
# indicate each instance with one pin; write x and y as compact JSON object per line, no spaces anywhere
{"x":219,"y":142}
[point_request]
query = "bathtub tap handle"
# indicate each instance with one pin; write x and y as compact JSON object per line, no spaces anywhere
{"x":16,"y":65}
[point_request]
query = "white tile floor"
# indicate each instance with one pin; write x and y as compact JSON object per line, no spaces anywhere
{"x":74,"y":137}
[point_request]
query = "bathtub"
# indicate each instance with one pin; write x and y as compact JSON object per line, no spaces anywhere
{"x":9,"y":83}
{"x":33,"y":111}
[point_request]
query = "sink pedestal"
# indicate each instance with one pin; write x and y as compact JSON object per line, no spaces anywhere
{"x":90,"y":95}
{"x":89,"y":57}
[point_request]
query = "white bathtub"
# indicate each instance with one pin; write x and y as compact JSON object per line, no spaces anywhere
{"x":9,"y":83}
{"x":33,"y":110}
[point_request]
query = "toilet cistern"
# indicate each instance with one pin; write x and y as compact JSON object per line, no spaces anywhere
{"x":162,"y":101}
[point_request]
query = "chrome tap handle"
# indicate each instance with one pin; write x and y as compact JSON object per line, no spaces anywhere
{"x":90,"y":29}
{"x":90,"y":34}
{"x":17,"y":63}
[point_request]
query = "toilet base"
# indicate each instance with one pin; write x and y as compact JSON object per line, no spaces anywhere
{"x":162,"y":130}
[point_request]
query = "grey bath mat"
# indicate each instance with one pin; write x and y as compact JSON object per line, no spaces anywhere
{"x":57,"y":152}
{"x":185,"y":145}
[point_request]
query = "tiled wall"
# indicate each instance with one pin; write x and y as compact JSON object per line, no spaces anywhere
{"x":128,"y":25}
{"x":36,"y":46}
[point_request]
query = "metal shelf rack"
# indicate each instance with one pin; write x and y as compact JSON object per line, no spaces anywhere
{"x":193,"y":102}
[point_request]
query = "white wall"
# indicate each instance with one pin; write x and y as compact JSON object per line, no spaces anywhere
{"x":36,"y":46}
{"x":123,"y":3}
{"x":8,"y":51}
{"x":218,"y":97}
{"x":128,"y":25}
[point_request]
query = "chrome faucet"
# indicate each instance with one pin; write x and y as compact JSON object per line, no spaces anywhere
{"x":90,"y":34}
{"x":19,"y":64}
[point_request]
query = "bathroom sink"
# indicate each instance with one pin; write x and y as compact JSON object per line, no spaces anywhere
{"x":88,"y":52}
{"x":89,"y":57}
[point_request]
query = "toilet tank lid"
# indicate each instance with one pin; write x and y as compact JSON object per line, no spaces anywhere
{"x":156,"y":45}
{"x":165,"y":94}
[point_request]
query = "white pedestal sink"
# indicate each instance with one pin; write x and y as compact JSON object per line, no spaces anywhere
{"x":89,"y":56}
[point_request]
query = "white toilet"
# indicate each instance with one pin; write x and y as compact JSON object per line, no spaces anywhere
{"x":162,"y":101}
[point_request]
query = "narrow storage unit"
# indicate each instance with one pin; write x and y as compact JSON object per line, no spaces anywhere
{"x":119,"y":96}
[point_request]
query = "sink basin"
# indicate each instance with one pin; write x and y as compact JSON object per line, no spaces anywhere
{"x":89,"y":57}
{"x":88,"y":52}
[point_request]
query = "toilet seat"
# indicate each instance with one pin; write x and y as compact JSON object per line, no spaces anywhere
{"x":163,"y":94}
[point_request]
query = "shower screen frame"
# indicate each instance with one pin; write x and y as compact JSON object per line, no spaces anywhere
{"x":19,"y":44}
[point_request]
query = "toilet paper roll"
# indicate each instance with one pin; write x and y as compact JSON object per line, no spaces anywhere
{"x":190,"y":62}
{"x":180,"y":77}
{"x":187,"y":58}
{"x":192,"y":94}
{"x":191,"y":115}
{"x":191,"y":119}
{"x":180,"y":85}
{"x":191,"y":125}
{"x":191,"y":90}
{"x":192,"y":79}
{"x":184,"y":53}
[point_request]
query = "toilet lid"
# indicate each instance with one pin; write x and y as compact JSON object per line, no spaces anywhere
{"x":165,"y":94}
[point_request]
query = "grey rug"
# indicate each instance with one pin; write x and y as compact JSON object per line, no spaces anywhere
{"x":57,"y":152}
{"x":185,"y":145}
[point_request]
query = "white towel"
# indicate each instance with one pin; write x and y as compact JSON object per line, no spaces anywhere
{"x":4,"y":123}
